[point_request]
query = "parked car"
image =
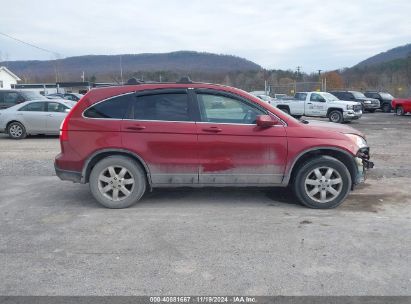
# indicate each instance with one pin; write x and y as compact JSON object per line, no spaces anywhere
{"x":401,"y":106}
{"x":128,"y":139}
{"x":384,"y":98}
{"x":9,"y":98}
{"x":263,"y":97}
{"x":368,"y":104}
{"x":320,"y":104}
{"x":67,"y":96}
{"x":34,"y":117}
{"x":282,"y":96}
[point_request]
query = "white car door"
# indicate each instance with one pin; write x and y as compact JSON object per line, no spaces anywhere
{"x":56,"y":112}
{"x":33,"y":116}
{"x":316,"y":106}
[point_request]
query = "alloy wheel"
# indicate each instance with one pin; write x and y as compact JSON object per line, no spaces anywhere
{"x":116,"y":183}
{"x":323,"y":184}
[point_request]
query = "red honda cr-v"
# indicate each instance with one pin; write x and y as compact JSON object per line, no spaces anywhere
{"x":127,"y":139}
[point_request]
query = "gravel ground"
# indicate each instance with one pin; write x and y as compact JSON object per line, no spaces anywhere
{"x":55,"y":239}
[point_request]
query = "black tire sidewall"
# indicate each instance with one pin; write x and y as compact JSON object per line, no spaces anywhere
{"x":401,"y":109}
{"x":327,"y":161}
{"x":341,"y":118}
{"x":23,"y":134}
{"x":131,"y":165}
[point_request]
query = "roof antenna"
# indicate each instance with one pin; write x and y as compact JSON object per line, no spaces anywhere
{"x":185,"y":79}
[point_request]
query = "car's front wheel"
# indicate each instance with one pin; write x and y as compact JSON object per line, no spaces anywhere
{"x":322,"y":183}
{"x":16,"y":130}
{"x":399,"y":111}
{"x":336,"y":116}
{"x":117,"y":182}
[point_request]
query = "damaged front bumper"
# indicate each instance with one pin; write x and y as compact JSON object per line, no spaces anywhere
{"x":363,"y":164}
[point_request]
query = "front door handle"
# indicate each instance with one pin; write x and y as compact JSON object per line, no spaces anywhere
{"x":136,"y":128}
{"x":212,"y":129}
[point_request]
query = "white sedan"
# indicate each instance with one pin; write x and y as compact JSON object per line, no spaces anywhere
{"x":34,"y":117}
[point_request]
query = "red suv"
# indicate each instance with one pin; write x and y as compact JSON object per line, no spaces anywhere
{"x":127,"y":139}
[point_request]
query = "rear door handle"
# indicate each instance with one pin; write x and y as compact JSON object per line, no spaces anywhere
{"x":212,"y":129}
{"x":136,"y":128}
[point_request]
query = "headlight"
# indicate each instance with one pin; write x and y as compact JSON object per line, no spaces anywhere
{"x":367,"y":102}
{"x":350,"y":107}
{"x":358,"y":140}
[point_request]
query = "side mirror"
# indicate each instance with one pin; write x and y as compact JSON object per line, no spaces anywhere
{"x":67,"y":110}
{"x":266,"y":121}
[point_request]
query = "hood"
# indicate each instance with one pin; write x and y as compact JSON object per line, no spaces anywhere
{"x":348,"y":102}
{"x":368,"y":98}
{"x":331,"y":126}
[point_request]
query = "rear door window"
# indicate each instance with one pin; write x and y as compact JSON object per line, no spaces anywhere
{"x":11,"y":98}
{"x":34,"y":107}
{"x":161,"y":106}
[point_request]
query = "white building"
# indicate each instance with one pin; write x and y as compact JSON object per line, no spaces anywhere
{"x":7,"y":78}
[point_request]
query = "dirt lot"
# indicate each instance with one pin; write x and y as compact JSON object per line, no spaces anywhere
{"x":55,"y":240}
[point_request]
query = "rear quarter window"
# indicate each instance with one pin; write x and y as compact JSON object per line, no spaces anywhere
{"x":113,"y":108}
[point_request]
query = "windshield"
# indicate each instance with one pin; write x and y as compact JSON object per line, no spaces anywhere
{"x":386,"y":96}
{"x":358,"y":95}
{"x":329,"y":97}
{"x":32,"y":95}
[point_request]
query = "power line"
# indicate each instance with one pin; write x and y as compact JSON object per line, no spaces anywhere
{"x":30,"y":44}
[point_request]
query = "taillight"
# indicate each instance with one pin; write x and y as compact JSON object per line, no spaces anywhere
{"x":64,"y":125}
{"x":64,"y":129}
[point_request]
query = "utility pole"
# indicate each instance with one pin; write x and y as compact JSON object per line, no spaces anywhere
{"x":82,"y":76}
{"x":320,"y":80}
{"x":121,"y":71}
{"x":298,"y":72}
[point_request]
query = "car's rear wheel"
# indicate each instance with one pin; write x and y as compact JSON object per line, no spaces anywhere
{"x":386,"y":108}
{"x":16,"y":130}
{"x":399,"y":111}
{"x":322,"y":183}
{"x":117,"y":182}
{"x":336,"y":116}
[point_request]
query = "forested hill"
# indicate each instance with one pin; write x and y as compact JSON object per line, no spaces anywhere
{"x":103,"y":65}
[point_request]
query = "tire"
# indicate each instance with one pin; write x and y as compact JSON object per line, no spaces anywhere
{"x":16,"y":130}
{"x":297,"y":116}
{"x":336,"y":116}
{"x":117,"y":174}
{"x":386,"y":108}
{"x":313,"y":175}
{"x":371,"y":110}
{"x":399,"y":111}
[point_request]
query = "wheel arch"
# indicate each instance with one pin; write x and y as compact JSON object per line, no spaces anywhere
{"x":346,"y":158}
{"x":334,"y":109}
{"x":285,"y":107}
{"x":99,"y":155}
{"x":14,"y":120}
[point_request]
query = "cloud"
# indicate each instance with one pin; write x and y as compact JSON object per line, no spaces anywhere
{"x":274,"y":34}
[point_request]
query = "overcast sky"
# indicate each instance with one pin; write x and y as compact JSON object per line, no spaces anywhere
{"x":283,"y":34}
